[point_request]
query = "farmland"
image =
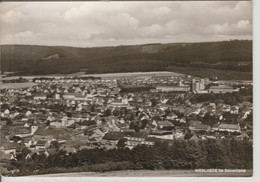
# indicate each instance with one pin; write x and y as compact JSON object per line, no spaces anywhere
{"x":16,"y":85}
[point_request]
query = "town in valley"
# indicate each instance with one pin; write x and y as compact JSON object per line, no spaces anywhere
{"x":74,"y":113}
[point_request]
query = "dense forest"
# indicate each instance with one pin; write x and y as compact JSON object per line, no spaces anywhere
{"x":225,"y":60}
{"x":178,"y":154}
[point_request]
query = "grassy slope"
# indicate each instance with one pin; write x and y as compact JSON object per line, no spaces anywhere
{"x":149,"y":173}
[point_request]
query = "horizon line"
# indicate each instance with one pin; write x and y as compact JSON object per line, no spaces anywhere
{"x":121,"y":45}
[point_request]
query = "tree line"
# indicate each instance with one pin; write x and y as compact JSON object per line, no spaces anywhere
{"x":178,"y":154}
{"x":227,"y":98}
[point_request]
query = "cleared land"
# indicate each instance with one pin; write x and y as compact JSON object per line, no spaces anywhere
{"x":104,"y":76}
{"x":135,"y":74}
{"x":16,"y":85}
{"x":149,"y":173}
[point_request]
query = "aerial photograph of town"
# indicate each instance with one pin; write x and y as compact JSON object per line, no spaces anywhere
{"x":126,"y":89}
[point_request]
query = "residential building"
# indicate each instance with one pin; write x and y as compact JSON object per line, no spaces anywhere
{"x":40,"y":97}
{"x":229,"y":127}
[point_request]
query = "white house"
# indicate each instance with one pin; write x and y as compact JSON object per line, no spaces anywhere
{"x":40,"y":97}
{"x":229,"y":127}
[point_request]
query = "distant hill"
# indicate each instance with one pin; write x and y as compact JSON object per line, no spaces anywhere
{"x":227,"y":59}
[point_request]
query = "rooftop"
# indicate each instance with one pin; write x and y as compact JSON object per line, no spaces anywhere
{"x":165,"y":123}
{"x":229,"y":126}
{"x":221,"y":87}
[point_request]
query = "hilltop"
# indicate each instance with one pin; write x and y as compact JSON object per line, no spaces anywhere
{"x":225,"y":59}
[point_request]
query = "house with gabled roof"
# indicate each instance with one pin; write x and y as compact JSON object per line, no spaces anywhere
{"x":243,"y":136}
{"x":22,"y":132}
{"x":200,"y":127}
{"x":171,"y":116}
{"x":80,"y":97}
{"x":27,"y":141}
{"x":9,"y":148}
{"x":40,"y":97}
{"x":69,"y":96}
{"x":229,"y":127}
{"x":162,"y":124}
{"x":41,"y":144}
{"x":6,"y":157}
{"x":194,"y":138}
{"x":178,"y":134}
{"x":45,"y":134}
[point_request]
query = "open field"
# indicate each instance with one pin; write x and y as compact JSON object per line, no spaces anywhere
{"x":16,"y":85}
{"x":135,"y":74}
{"x":195,"y":73}
{"x":149,"y":173}
{"x":104,"y":76}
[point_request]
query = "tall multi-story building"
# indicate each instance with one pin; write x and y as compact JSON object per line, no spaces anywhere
{"x":202,"y":84}
{"x":197,"y":85}
{"x":181,"y":83}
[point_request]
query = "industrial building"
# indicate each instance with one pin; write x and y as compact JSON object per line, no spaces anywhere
{"x":222,"y":89}
{"x":173,"y":88}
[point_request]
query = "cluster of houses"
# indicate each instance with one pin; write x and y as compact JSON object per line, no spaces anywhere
{"x":75,"y":114}
{"x":231,"y":128}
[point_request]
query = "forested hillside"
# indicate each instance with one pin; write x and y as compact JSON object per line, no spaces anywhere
{"x":226,"y":59}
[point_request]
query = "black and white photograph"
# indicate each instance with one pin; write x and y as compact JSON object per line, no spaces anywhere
{"x":126,"y":89}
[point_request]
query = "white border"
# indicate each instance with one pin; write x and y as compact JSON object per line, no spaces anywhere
{"x":256,"y":128}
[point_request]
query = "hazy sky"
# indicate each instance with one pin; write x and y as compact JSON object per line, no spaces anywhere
{"x":120,"y":23}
